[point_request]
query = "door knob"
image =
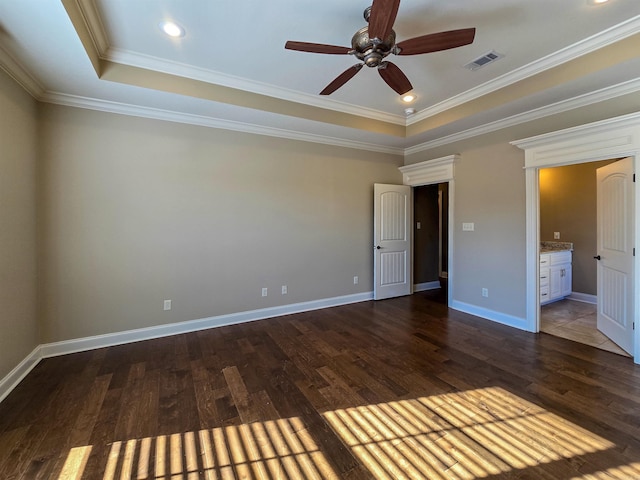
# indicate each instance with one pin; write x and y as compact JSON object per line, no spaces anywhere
{"x":597,"y":257}
{"x":378,"y":247}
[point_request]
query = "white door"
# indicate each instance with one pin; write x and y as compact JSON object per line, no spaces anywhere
{"x":615,"y":252}
{"x":392,"y":241}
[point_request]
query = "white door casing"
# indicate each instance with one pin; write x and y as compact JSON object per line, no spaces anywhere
{"x":392,"y":241}
{"x":611,"y":138}
{"x":431,"y":172}
{"x":615,"y":252}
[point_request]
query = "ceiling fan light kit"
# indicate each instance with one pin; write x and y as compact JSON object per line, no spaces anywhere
{"x":373,"y":43}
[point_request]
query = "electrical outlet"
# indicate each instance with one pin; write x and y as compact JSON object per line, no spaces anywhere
{"x":418,"y":226}
{"x":167,"y":305}
{"x":284,"y":289}
{"x":355,"y":280}
{"x":485,"y":292}
{"x":264,"y":292}
{"x":556,"y":235}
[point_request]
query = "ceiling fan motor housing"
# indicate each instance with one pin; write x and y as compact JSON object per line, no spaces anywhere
{"x":373,"y":51}
{"x":370,"y":52}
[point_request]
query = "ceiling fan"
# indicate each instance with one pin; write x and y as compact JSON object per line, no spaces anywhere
{"x":372,"y":44}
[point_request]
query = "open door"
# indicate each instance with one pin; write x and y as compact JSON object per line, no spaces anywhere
{"x":615,"y":222}
{"x":392,"y":241}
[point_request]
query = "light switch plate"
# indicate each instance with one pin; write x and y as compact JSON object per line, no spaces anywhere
{"x":468,"y":227}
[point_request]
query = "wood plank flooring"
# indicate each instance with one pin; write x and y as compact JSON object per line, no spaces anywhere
{"x":401,"y":388}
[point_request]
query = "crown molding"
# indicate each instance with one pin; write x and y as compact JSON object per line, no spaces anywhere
{"x":92,"y":19}
{"x":148,"y":62}
{"x":584,"y":100}
{"x":588,"y":45}
{"x":172,"y":116}
{"x":581,"y":132}
{"x":20,"y":74}
{"x":209,"y":122}
{"x":438,"y":170}
{"x":93,"y":22}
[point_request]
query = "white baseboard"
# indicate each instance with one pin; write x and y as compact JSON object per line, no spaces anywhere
{"x":130,"y":336}
{"x":9,"y":382}
{"x":421,"y":287}
{"x":583,"y":297}
{"x":504,"y":319}
{"x":15,"y":376}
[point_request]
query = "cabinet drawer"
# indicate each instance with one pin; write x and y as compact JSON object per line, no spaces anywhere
{"x":557,"y":258}
{"x":544,"y":260}
{"x":544,"y":276}
{"x":544,"y":293}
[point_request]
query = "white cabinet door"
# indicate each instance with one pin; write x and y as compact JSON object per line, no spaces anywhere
{"x":555,"y":282}
{"x":555,"y":276}
{"x":566,"y":286}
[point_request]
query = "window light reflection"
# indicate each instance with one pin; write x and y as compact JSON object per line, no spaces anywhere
{"x":472,"y":434}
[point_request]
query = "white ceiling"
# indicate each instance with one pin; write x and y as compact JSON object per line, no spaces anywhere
{"x":240,"y":44}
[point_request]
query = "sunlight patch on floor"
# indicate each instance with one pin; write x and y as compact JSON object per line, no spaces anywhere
{"x":466,"y":435}
{"x":473,"y":434}
{"x":270,"y":450}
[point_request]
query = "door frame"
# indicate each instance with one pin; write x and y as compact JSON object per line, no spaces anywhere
{"x":607,"y":139}
{"x":430,"y":172}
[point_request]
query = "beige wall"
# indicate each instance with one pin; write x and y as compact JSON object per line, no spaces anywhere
{"x":135,"y":211}
{"x":490,"y":192}
{"x":568,"y":205}
{"x":18,"y":324}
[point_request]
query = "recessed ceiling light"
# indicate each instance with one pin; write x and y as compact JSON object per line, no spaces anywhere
{"x":408,"y":98}
{"x":172,"y":29}
{"x":597,"y":2}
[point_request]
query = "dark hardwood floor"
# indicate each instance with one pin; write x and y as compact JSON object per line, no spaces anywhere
{"x":401,"y":388}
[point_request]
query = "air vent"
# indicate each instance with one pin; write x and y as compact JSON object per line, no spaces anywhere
{"x":484,"y":60}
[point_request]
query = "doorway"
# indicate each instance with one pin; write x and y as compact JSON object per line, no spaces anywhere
{"x":430,"y":172}
{"x":611,"y":138}
{"x":431,"y":240}
{"x":576,"y":321}
{"x":568,"y":214}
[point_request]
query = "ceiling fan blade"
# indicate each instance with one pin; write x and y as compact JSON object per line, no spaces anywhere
{"x":394,"y":77}
{"x":383,"y":15}
{"x":435,"y":42}
{"x":341,"y":79}
{"x":317,"y":48}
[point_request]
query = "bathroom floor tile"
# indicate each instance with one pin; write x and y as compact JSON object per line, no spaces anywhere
{"x":575,"y":321}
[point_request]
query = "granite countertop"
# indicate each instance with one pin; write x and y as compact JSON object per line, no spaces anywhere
{"x":548,"y":247}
